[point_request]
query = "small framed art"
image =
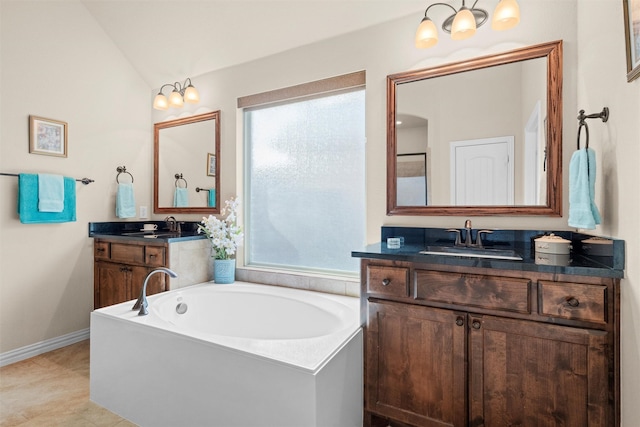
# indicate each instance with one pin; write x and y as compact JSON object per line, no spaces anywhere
{"x":211,"y":164}
{"x":632,"y":37}
{"x":47,"y":136}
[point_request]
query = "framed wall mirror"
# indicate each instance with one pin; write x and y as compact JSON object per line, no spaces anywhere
{"x":186,"y":165}
{"x":477,"y":137}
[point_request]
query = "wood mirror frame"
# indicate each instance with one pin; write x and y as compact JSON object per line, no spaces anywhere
{"x":200,"y":167}
{"x":553,"y":52}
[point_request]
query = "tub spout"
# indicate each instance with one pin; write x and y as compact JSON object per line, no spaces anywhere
{"x":142,"y":303}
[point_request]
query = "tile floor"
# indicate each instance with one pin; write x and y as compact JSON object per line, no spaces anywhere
{"x":52,"y":390}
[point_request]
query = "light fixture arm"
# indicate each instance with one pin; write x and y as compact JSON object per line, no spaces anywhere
{"x":443,"y":4}
{"x":180,"y":88}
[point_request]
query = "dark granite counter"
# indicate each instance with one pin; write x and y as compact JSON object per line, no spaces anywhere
{"x":121,"y":230}
{"x":604,"y":261}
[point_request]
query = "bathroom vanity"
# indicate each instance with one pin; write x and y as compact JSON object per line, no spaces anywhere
{"x":461,"y":341}
{"x":124,"y":256}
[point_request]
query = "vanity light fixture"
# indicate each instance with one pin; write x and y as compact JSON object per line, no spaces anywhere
{"x":180,"y":94}
{"x":463,"y":23}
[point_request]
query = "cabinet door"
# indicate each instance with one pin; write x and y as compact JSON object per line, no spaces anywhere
{"x":525,"y":373}
{"x":156,"y":283}
{"x":415,"y":364}
{"x":112,"y":286}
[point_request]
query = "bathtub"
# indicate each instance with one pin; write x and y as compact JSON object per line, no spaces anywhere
{"x":230,"y":355}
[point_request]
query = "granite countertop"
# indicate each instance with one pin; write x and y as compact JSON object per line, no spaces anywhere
{"x":581,"y":262}
{"x":132,"y":231}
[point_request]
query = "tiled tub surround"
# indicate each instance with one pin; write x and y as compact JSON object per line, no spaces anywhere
{"x":190,"y":257}
{"x":196,"y":369}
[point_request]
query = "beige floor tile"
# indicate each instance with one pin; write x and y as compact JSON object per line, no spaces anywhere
{"x":52,"y":390}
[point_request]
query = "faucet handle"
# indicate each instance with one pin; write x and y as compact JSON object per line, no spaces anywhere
{"x":458,"y":242}
{"x":479,"y":238}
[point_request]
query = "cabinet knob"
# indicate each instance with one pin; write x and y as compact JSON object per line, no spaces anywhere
{"x":460,"y":321}
{"x":386,"y":282}
{"x":476,"y":324}
{"x":573,"y":302}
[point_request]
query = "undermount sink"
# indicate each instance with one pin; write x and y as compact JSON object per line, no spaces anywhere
{"x":472,"y":252}
{"x":152,"y":234}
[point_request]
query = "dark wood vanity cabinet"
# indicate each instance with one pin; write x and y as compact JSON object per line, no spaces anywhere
{"x":121,"y":268}
{"x":459,"y":346}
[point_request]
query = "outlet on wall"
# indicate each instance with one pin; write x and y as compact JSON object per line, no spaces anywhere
{"x":144,"y":212}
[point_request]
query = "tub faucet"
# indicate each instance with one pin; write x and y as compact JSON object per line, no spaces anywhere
{"x":468,"y":239}
{"x":142,"y":303}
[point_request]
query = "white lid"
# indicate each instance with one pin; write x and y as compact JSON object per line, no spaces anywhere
{"x":552,"y":238}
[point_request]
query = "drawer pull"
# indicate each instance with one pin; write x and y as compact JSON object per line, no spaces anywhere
{"x":476,"y":324}
{"x":573,"y":302}
{"x":152,"y":255}
{"x":100,"y":249}
{"x":386,"y":282}
{"x":459,"y":321}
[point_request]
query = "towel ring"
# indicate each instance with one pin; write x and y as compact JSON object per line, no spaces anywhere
{"x":123,"y":169}
{"x":603,"y":115}
{"x":179,"y":177}
{"x":586,"y":130}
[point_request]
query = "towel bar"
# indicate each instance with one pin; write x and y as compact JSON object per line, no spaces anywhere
{"x":85,"y":181}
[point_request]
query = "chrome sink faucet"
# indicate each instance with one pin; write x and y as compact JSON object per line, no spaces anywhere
{"x":468,"y":239}
{"x":142,"y":303}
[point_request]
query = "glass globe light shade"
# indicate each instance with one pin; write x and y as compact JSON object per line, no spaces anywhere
{"x":464,"y":25}
{"x":506,"y":15}
{"x":175,"y":99}
{"x":427,"y":34}
{"x":191,"y":95}
{"x":160,"y":102}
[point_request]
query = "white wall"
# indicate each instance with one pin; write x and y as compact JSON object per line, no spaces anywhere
{"x":55,"y":298}
{"x":58,"y":63}
{"x":601,"y":81}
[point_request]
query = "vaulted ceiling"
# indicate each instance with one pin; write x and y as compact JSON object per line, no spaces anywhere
{"x":169,"y":40}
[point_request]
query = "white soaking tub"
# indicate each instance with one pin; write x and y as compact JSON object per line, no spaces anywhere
{"x":236,"y":355}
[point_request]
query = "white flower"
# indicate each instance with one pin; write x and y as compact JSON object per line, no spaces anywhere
{"x":225,"y":235}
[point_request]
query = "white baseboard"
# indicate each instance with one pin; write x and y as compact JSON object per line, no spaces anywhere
{"x":41,"y":347}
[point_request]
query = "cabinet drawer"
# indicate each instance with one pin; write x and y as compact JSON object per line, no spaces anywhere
{"x":154,"y":255}
{"x":127,"y":253}
{"x":575,"y":301}
{"x":391,"y":281}
{"x":101,"y":250}
{"x":490,"y":292}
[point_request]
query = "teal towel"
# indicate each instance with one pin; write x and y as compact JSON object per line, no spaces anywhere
{"x":28,"y":201}
{"x":212,"y":198}
{"x":50,"y":193}
{"x":125,"y":201}
{"x":180,"y":198}
{"x":583,"y":212}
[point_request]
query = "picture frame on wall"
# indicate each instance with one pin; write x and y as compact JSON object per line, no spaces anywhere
{"x":211,"y":164}
{"x":47,"y":137}
{"x":632,"y":37}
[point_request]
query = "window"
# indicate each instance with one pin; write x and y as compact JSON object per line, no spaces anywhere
{"x":305,"y":182}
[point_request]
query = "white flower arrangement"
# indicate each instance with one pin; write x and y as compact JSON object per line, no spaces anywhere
{"x":225,"y":235}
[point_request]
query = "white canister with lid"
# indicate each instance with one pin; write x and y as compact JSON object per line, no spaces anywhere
{"x":552,"y":244}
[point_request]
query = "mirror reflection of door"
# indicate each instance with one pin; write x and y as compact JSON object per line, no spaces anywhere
{"x":482,"y":172}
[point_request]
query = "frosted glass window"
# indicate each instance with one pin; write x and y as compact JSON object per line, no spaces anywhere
{"x":305,"y":183}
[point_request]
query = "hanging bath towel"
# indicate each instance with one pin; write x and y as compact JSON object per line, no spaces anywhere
{"x":211,"y":202}
{"x":125,"y":201}
{"x":583,"y":212}
{"x":180,"y":198}
{"x":28,"y":201}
